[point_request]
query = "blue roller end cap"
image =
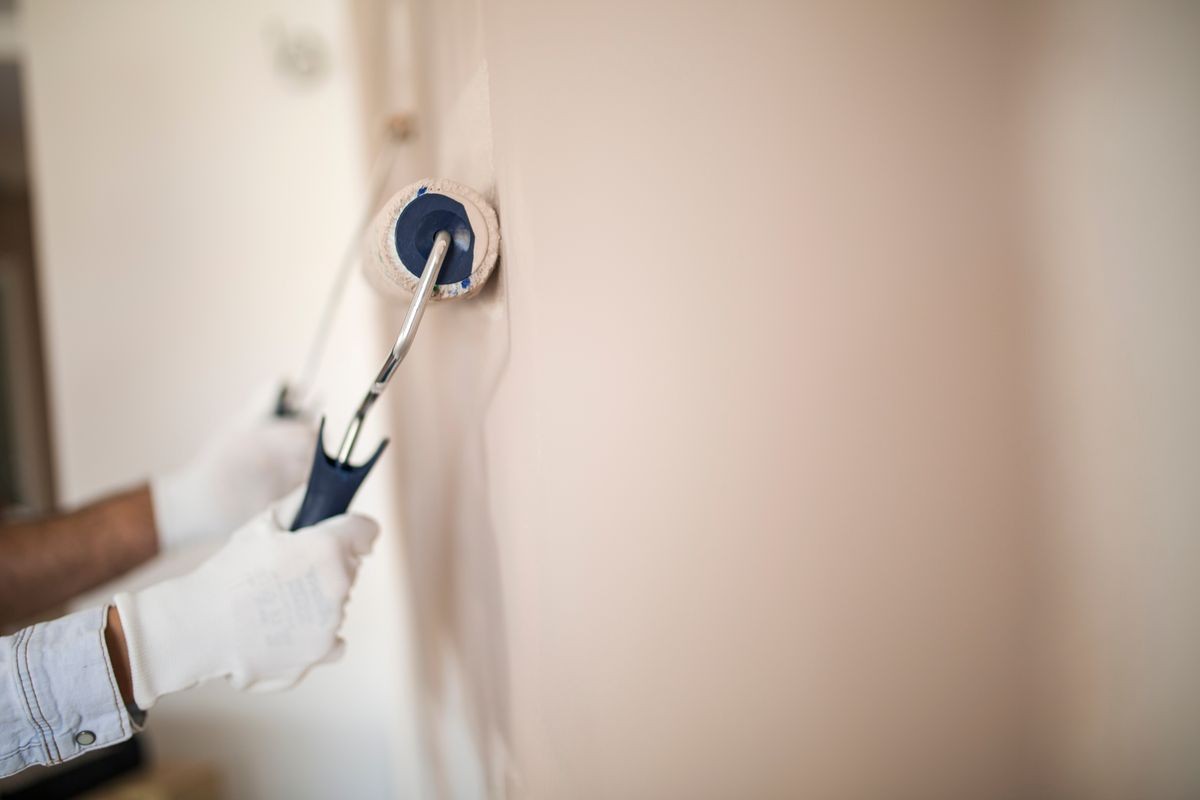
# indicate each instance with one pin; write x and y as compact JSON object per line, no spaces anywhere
{"x":331,"y":486}
{"x":418,"y":224}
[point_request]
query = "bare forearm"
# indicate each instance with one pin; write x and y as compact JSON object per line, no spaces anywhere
{"x":45,"y":562}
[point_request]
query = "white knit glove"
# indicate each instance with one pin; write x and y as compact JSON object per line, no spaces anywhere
{"x":255,"y":460}
{"x":262,"y":611}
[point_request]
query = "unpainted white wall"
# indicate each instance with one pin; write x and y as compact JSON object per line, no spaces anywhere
{"x":192,"y":203}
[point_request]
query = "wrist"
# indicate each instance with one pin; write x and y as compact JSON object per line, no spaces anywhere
{"x":118,"y":654}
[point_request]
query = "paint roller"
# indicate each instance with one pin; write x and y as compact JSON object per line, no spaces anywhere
{"x":434,"y":240}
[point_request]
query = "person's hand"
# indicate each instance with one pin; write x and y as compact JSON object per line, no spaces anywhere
{"x":262,"y":611}
{"x":257,"y":459}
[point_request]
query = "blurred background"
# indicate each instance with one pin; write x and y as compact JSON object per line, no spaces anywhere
{"x":830,"y":429}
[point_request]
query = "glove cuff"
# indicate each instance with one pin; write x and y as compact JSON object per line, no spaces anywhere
{"x":170,"y":646}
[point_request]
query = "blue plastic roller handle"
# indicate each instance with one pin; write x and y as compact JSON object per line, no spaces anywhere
{"x":331,"y":486}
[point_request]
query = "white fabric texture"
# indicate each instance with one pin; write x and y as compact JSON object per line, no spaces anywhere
{"x":254,"y":461}
{"x":261,"y":612}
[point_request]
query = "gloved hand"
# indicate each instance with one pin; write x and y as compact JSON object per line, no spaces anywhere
{"x":262,"y":611}
{"x":254,"y":461}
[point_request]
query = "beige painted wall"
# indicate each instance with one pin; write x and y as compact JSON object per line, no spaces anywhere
{"x":722,"y":492}
{"x":831,"y":431}
{"x":1116,"y":166}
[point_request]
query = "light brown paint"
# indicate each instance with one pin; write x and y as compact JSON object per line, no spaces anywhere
{"x":721,"y":491}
